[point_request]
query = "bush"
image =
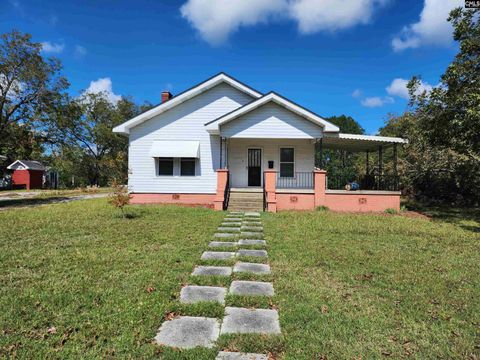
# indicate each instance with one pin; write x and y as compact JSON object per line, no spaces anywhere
{"x":119,"y":197}
{"x":391,"y":211}
{"x":322,"y":208}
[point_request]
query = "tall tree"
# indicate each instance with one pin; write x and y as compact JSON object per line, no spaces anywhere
{"x":86,"y":146}
{"x":29,"y":84}
{"x":450,"y":114}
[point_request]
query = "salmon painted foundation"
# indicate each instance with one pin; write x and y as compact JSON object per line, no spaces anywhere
{"x":279,"y":199}
{"x":202,"y":200}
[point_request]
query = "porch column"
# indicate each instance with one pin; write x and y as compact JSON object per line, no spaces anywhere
{"x":380,"y":159}
{"x":367,"y":163}
{"x":270,"y":189}
{"x":320,"y":177}
{"x":222,"y":179}
{"x":319,"y":163}
{"x":395,"y":156}
{"x":220,"y":165}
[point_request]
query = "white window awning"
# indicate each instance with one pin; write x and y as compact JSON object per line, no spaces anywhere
{"x":175,"y":149}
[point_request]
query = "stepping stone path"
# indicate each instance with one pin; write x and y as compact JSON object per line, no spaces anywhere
{"x":256,"y":253}
{"x":222,"y":244}
{"x":251,"y":288}
{"x":217,"y":255}
{"x":184,"y":332}
{"x":192,"y":294}
{"x":222,"y":355}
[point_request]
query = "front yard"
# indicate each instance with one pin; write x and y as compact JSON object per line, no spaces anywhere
{"x":76,"y":280}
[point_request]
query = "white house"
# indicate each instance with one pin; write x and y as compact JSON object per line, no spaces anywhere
{"x":223,"y":143}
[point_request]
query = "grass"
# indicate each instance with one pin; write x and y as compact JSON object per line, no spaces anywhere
{"x":347,"y":286}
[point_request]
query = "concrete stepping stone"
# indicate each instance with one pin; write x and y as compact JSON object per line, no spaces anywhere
{"x":229,"y":228}
{"x":252,"y":228}
{"x":252,"y":214}
{"x":186,"y":332}
{"x":252,"y":222}
{"x":235,"y":213}
{"x":256,"y":253}
{"x":217,"y":255}
{"x":191,"y":294}
{"x":247,"y":321}
{"x":224,"y":355}
{"x":224,"y":235}
{"x":212,"y":270}
{"x":251,"y":268}
{"x":250,"y":234}
{"x":231,"y":224}
{"x":251,"y":288}
{"x":222,"y":244}
{"x":251,"y":242}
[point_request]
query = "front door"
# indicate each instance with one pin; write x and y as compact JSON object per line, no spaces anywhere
{"x":254,"y":167}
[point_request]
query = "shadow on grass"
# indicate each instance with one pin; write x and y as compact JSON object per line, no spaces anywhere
{"x":32,"y":201}
{"x":466,"y":218}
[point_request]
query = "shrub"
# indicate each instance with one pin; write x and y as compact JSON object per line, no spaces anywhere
{"x":322,"y":208}
{"x":390,"y":211}
{"x":119,"y":197}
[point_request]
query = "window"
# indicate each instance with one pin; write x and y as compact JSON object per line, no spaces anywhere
{"x":287,"y":162}
{"x":165,"y":166}
{"x":187,"y":167}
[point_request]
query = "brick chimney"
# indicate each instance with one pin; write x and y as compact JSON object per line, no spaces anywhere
{"x":166,"y":95}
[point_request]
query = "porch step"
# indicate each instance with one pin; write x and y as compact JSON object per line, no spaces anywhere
{"x":256,"y":208}
{"x":242,"y":195}
{"x":241,"y":200}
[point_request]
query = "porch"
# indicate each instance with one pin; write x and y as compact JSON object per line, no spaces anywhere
{"x":287,"y":173}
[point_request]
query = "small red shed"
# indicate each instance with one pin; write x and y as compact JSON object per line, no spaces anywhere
{"x":27,"y":174}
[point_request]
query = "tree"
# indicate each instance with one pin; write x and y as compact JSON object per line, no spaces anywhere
{"x":342,"y":166}
{"x":442,"y":159}
{"x":29,"y":84}
{"x":86,"y":147}
{"x":450,"y":114}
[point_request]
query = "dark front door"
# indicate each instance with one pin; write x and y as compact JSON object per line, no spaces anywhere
{"x":254,"y":167}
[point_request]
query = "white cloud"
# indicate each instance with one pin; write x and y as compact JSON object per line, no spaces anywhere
{"x":432,"y":28}
{"x":50,"y":47}
{"x":215,"y":20}
{"x":357,"y":93}
{"x":330,"y":15}
{"x":377,"y":101}
{"x":103,"y":86}
{"x":398,"y":87}
{"x":79,"y":51}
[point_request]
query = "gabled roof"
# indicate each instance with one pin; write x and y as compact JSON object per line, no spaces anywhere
{"x":27,"y":165}
{"x":184,"y":96}
{"x":213,"y":127}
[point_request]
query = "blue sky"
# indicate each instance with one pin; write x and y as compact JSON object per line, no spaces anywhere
{"x":334,"y":57}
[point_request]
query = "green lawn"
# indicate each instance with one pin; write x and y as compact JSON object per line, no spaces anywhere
{"x":347,"y":286}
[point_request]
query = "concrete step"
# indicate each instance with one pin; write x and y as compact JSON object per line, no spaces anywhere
{"x":247,"y":208}
{"x":242,"y":196}
{"x":246,"y":203}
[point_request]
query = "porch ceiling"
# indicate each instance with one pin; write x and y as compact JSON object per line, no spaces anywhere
{"x":355,"y":142}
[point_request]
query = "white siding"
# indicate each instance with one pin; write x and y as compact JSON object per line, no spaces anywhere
{"x":183,"y":122}
{"x":271,"y":121}
{"x":237,"y":156}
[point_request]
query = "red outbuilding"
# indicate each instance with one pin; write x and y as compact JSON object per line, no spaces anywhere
{"x":27,"y":174}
